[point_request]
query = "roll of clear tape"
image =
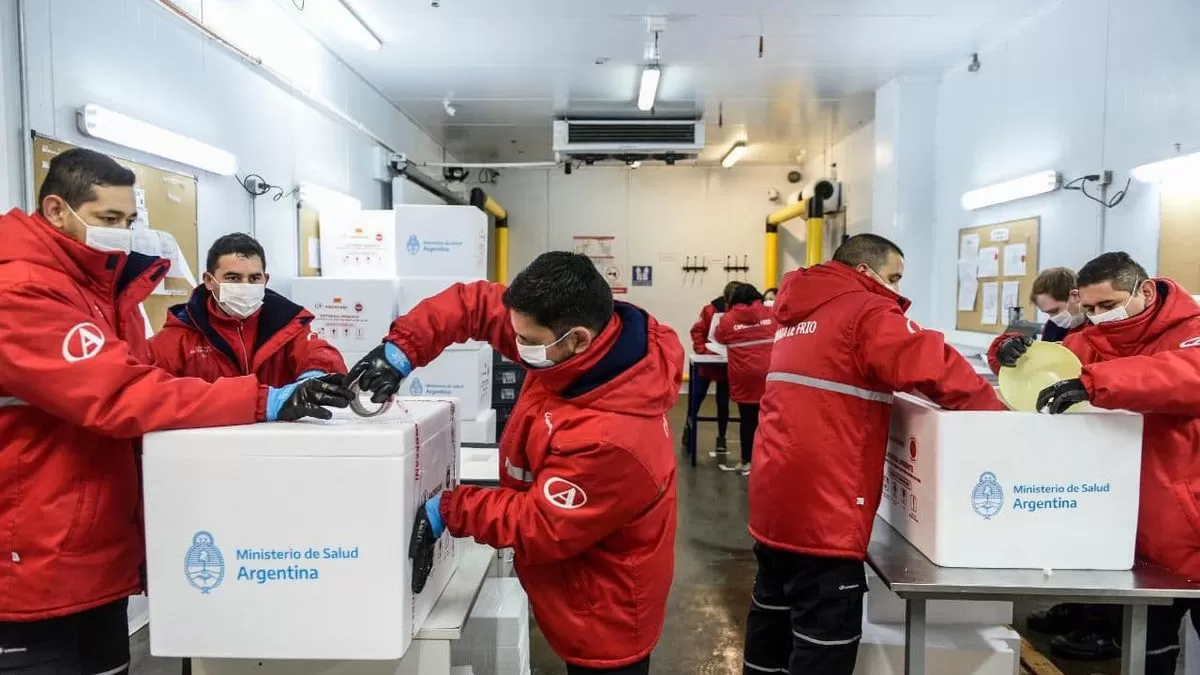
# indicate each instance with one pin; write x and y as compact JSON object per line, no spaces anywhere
{"x":356,"y":403}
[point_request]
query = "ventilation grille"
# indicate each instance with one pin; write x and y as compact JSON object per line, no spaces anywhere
{"x":682,"y":133}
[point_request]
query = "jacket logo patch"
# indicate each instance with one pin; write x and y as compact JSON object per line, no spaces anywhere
{"x":83,"y":342}
{"x":1190,"y":342}
{"x":564,"y":494}
{"x":802,"y":328}
{"x":549,"y":423}
{"x":201,"y":350}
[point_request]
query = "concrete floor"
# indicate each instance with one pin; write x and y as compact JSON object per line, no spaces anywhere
{"x":714,"y":572}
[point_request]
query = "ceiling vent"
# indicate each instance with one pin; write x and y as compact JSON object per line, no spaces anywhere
{"x":627,"y":139}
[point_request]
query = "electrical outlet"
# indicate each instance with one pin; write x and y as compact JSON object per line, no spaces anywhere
{"x":254,"y":185}
{"x":1106,"y":177}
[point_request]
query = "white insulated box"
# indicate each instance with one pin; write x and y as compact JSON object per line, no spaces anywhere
{"x":290,"y":540}
{"x":885,"y":607}
{"x":358,"y":244}
{"x":412,"y":290}
{"x":354,"y":315}
{"x":1011,"y":489}
{"x":441,"y":241}
{"x":949,"y":650}
{"x":482,"y":429}
{"x":462,"y":374}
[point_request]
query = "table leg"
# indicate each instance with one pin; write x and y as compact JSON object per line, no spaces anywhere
{"x":914,"y":637}
{"x":693,"y":413}
{"x":1133,"y":640}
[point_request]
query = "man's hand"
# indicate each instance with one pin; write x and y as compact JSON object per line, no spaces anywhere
{"x":380,"y":372}
{"x":1012,"y":349}
{"x":427,"y":529}
{"x":1062,"y":395}
{"x":307,"y":398}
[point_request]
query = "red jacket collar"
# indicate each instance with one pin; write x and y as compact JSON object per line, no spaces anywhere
{"x":1172,"y":306}
{"x":560,"y":376}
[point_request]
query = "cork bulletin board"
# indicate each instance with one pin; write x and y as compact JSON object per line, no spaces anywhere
{"x":170,"y":206}
{"x":996,"y":268}
{"x":1179,"y":236}
{"x":308,"y":241}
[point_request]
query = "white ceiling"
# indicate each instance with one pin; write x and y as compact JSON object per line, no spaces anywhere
{"x":510,"y":66}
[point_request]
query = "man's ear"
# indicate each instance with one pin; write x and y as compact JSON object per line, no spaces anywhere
{"x":583,"y":340}
{"x":1149,"y":289}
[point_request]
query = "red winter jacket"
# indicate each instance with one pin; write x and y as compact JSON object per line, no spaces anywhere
{"x":748,"y":332}
{"x":1148,"y":364}
{"x":587,"y":496}
{"x":842,"y":348}
{"x":274,"y":344}
{"x":74,"y":398}
{"x":700,"y":340}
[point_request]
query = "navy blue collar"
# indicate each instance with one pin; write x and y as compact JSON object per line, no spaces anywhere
{"x":135,"y":266}
{"x":631,"y":346}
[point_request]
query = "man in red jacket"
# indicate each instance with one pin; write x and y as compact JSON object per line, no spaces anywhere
{"x":1140,"y":354}
{"x":74,"y":398}
{"x":234,"y":325}
{"x":587,"y":497}
{"x":843,"y":346}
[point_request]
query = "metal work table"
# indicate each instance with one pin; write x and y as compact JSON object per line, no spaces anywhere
{"x":912,"y":576}
{"x":695,"y":360}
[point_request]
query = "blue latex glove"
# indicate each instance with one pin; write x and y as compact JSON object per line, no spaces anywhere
{"x":397,"y":359}
{"x":433,"y":509}
{"x":277,"y":397}
{"x":310,"y":374}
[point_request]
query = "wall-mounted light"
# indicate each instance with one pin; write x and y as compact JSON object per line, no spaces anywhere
{"x":324,"y":199}
{"x":102,"y":123}
{"x":648,"y":92}
{"x":1018,"y":188}
{"x":734,"y":155}
{"x":1176,"y":168}
{"x":338,"y":16}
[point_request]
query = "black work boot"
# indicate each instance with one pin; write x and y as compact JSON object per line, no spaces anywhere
{"x":1085,"y":645}
{"x":721,"y":447}
{"x":1057,"y":620}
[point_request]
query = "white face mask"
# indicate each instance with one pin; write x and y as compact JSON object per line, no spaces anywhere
{"x":241,"y":300}
{"x":1065,"y":319}
{"x":535,"y":355}
{"x":883,"y":281}
{"x":1115,"y":314}
{"x":107,"y":239}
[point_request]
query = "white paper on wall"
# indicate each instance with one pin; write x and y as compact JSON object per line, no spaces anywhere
{"x":1009,"y":298}
{"x":1014,"y":260}
{"x":991,"y":303}
{"x":967,"y":290}
{"x":989,"y":262}
{"x":969,"y":247}
{"x":314,"y":252}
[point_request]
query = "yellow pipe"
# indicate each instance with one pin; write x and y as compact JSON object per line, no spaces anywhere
{"x":814,"y":238}
{"x":493,"y":207}
{"x":788,"y":212}
{"x":771,"y":258}
{"x":502,"y":253}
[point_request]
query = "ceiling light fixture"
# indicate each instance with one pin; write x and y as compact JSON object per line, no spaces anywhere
{"x":734,"y":155}
{"x":337,"y":15}
{"x":1175,"y":168}
{"x":1018,"y":188}
{"x":102,"y":123}
{"x":648,"y":92}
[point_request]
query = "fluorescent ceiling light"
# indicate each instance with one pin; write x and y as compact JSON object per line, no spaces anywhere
{"x":323,"y":199}
{"x":1018,"y":188}
{"x":114,"y":127}
{"x":338,"y":17}
{"x":1182,"y":167}
{"x":734,"y":155}
{"x":649,"y":89}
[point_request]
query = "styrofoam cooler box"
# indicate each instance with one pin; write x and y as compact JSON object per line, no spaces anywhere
{"x":479,"y":464}
{"x":138,"y":613}
{"x":980,"y":489}
{"x":441,"y":241}
{"x":482,"y":429}
{"x":412,"y":290}
{"x":464,"y":374}
{"x":358,"y":244}
{"x":948,"y":650}
{"x":290,"y":541}
{"x":496,"y":636}
{"x":884,"y":606}
{"x":354,"y":315}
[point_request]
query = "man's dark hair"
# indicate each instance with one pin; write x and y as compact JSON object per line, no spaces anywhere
{"x":1118,"y":268}
{"x":1056,"y":282}
{"x":744,"y":294}
{"x":562,"y":290}
{"x":235,"y":244}
{"x":74,"y":174}
{"x":871,"y":249}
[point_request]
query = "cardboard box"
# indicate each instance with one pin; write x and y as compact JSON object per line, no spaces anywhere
{"x":885,"y":607}
{"x":412,"y":290}
{"x":354,"y":315}
{"x":482,"y":429}
{"x":358,"y":244}
{"x":290,"y":541}
{"x":981,"y":489}
{"x":441,"y":241}
{"x":948,"y":651}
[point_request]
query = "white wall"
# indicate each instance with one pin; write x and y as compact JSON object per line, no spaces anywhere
{"x":1088,"y":84}
{"x":854,"y":156}
{"x":10,"y":109}
{"x":135,"y":57}
{"x":660,"y":216}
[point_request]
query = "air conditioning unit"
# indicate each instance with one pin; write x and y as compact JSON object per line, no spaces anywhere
{"x":627,"y":139}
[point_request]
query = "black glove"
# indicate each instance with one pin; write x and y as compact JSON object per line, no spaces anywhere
{"x":1012,"y":349}
{"x":1062,"y":395}
{"x":308,"y":398}
{"x":421,"y":549}
{"x":380,"y":372}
